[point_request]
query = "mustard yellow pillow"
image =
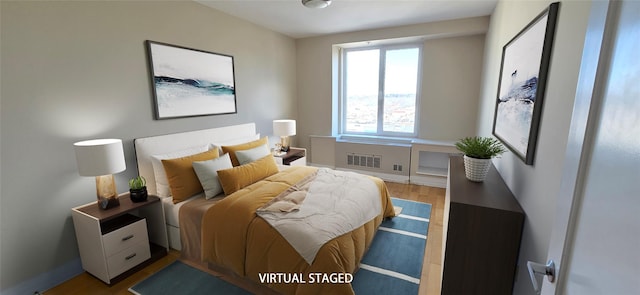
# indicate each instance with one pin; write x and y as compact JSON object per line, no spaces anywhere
{"x":231,"y":149}
{"x":241,"y":176}
{"x":183,"y":181}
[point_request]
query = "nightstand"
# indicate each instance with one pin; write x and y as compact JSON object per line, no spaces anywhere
{"x":294,"y":157}
{"x":117,"y":242}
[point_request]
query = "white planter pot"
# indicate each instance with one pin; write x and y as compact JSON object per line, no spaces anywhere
{"x":476,"y":169}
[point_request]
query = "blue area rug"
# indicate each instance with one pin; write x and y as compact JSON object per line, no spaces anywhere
{"x":181,"y":279}
{"x":392,"y":265}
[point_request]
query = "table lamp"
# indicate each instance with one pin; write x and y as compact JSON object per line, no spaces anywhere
{"x":101,"y":158}
{"x":284,"y":129}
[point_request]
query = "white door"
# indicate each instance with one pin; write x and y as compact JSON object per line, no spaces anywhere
{"x":596,"y":238}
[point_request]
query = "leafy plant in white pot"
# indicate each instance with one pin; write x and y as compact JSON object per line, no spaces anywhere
{"x":478,"y":152}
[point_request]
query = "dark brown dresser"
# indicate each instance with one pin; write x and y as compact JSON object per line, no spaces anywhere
{"x":483,"y":234}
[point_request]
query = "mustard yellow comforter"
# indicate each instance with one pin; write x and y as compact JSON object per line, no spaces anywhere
{"x":234,"y":237}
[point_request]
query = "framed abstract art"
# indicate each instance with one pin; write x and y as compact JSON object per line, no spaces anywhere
{"x":190,"y":82}
{"x":523,"y":77}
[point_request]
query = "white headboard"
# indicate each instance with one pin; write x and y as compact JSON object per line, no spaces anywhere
{"x":146,"y":147}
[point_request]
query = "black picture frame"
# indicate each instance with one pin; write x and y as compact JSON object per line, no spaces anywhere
{"x":522,"y":83}
{"x":189,"y":82}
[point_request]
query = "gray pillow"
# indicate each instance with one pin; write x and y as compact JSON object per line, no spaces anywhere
{"x":207,"y":172}
{"x":250,"y":155}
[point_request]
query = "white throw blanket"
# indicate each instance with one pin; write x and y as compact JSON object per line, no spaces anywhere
{"x":336,"y":203}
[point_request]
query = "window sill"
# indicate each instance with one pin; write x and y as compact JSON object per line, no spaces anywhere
{"x":373,"y":139}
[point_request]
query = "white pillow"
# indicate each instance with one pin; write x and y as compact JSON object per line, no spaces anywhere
{"x":162,"y":184}
{"x":250,"y":155}
{"x":207,"y":172}
{"x":235,"y":141}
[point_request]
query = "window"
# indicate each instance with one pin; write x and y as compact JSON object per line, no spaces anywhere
{"x":379,"y":94}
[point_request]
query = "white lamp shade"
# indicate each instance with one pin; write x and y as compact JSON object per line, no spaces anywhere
{"x":99,"y":157}
{"x":284,"y":127}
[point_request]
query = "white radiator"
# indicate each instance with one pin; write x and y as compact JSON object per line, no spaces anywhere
{"x":387,"y":161}
{"x":419,"y":161}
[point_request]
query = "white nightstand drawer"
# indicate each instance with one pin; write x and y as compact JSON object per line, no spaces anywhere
{"x":128,"y":258}
{"x":125,"y":237}
{"x":299,"y":162}
{"x":106,"y":238}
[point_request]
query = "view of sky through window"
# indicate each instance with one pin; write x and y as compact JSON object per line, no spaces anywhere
{"x":365,"y":104}
{"x":362,"y":91}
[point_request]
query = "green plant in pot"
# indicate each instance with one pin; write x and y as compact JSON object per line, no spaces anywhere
{"x":478,"y":152}
{"x":138,"y":189}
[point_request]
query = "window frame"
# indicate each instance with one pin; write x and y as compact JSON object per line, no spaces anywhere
{"x":381,"y":76}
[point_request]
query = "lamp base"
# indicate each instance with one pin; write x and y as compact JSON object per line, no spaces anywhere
{"x":284,"y":143}
{"x":108,"y":203}
{"x":106,"y":192}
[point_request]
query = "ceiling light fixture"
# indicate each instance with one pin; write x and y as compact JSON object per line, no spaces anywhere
{"x":316,"y":3}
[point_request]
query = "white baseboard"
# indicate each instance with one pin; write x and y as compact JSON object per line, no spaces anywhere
{"x":434,"y":181}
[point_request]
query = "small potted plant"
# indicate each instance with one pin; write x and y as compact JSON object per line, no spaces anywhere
{"x":138,"y":189}
{"x":478,"y":152}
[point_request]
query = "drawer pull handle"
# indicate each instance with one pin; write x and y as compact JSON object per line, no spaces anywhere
{"x":130,"y":256}
{"x":127,"y":238}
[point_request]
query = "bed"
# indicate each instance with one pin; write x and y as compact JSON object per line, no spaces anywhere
{"x":246,"y":232}
{"x":148,"y":147}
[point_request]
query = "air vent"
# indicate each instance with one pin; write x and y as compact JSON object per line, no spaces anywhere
{"x":370,"y":161}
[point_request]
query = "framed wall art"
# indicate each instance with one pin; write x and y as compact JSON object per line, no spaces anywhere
{"x":523,"y":76}
{"x":190,"y":82}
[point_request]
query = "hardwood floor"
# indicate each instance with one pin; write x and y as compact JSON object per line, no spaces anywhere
{"x":432,"y":263}
{"x":87,"y":284}
{"x":430,"y":280}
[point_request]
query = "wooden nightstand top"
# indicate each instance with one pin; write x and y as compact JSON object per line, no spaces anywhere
{"x":293,"y":155}
{"x":126,"y":205}
{"x":293,"y":152}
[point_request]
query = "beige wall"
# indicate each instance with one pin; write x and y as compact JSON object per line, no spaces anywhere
{"x":450,"y":87}
{"x":78,"y":70}
{"x":536,"y":186}
{"x":73,"y":71}
{"x":448,"y":106}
